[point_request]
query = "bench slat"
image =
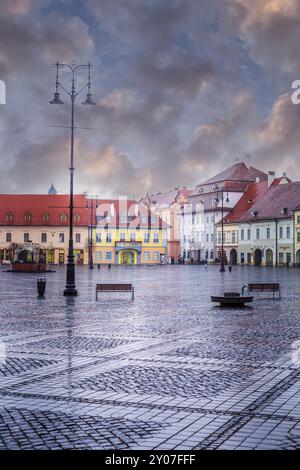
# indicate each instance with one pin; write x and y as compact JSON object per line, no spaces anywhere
{"x":113,"y":287}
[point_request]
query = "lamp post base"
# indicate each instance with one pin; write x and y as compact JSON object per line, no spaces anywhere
{"x":70,"y":292}
{"x":222,"y":269}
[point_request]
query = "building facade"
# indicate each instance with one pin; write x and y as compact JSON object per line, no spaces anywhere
{"x":267,"y":231}
{"x":168,"y":206}
{"x":127,"y":233}
{"x":44,"y":221}
{"x":216,"y":197}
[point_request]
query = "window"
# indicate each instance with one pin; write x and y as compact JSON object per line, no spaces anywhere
{"x":124,"y":218}
{"x":144,"y":219}
{"x":45,"y":217}
{"x":288,"y":232}
{"x":155,"y":238}
{"x":212,"y":237}
{"x":8,"y":237}
{"x":98,"y":237}
{"x":268,"y":232}
{"x":63,"y":217}
{"x":133,"y":237}
{"x":289,"y":258}
{"x":298,"y":237}
{"x":146,"y":256}
{"x":108,"y":237}
{"x":242,"y":234}
{"x":98,"y":256}
{"x":233,"y":236}
{"x":207,"y":237}
{"x":147,"y":237}
{"x":280,"y":232}
{"x":257,"y":234}
{"x":153,"y":218}
{"x":298,"y":219}
{"x":44,"y":238}
{"x":108,"y":255}
{"x":122,"y":237}
{"x":207,"y":220}
{"x":61,"y":238}
{"x":26,"y":237}
{"x":77,"y":237}
{"x":27,"y":217}
{"x":9,"y":217}
{"x":249,"y":234}
{"x":155,"y":256}
{"x":280,"y":258}
{"x":77,"y":218}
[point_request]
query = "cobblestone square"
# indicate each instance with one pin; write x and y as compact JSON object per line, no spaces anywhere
{"x":167,"y":371}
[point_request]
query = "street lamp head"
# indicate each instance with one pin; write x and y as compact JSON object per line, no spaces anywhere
{"x":89,"y":100}
{"x":56,"y":99}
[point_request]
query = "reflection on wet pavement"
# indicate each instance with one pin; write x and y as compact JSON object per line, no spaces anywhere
{"x":169,"y":370}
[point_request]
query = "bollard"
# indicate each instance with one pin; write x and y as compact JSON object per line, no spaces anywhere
{"x":41,"y":286}
{"x":230,"y":268}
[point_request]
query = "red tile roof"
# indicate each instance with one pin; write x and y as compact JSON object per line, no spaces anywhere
{"x":278,"y":202}
{"x":17,"y":205}
{"x":251,"y":195}
{"x":109,"y":212}
{"x":233,"y":179}
{"x":238,"y":172}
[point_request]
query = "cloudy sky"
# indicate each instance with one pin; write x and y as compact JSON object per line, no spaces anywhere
{"x":184,"y":88}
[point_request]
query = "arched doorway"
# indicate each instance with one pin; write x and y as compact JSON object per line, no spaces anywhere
{"x":233,"y":257}
{"x":257,"y":257}
{"x":127,"y":257}
{"x":298,"y":258}
{"x":269,"y":257}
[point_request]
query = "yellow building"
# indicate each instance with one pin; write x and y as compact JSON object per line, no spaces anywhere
{"x":125,"y":232}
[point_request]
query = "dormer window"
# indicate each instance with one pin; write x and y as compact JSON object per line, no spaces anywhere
{"x":45,"y":217}
{"x":77,"y":218}
{"x":254,"y":213}
{"x":284,"y":210}
{"x":9,"y":217}
{"x":63,"y":217}
{"x":27,"y":217}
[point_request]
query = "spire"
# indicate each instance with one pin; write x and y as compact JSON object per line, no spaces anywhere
{"x":52,"y":191}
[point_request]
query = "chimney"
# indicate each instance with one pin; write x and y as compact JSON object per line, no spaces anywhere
{"x":271,"y":177}
{"x":284,"y":175}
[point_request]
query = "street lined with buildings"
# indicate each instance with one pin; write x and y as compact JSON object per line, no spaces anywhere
{"x":257,"y":213}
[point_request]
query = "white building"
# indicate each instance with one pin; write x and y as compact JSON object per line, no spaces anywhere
{"x":205,"y":209}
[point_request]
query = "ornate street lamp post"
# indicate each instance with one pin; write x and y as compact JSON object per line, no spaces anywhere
{"x":70,"y":289}
{"x":221,"y":191}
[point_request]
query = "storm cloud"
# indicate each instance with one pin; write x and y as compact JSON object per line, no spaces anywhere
{"x":184,"y":88}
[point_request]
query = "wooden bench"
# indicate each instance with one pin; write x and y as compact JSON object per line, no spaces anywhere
{"x":115,"y":288}
{"x":264,"y":287}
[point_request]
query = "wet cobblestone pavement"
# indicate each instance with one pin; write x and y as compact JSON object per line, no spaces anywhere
{"x":167,"y":371}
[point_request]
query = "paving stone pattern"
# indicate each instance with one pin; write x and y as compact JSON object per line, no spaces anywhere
{"x":167,"y":371}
